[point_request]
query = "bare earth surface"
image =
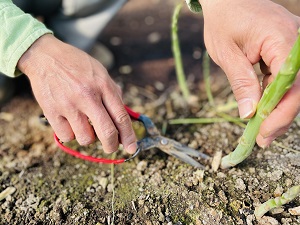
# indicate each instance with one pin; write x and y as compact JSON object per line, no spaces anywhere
{"x":54,"y":188}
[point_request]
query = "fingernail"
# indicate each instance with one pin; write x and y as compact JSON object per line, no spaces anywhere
{"x":247,"y":108}
{"x":264,"y":146}
{"x":266,"y":142}
{"x":132,"y":148}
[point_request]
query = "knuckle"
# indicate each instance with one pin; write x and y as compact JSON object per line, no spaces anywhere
{"x":85,"y":92}
{"x":105,"y":83}
{"x":122,"y":118}
{"x":85,"y":140}
{"x":130,"y":138}
{"x":110,"y":133}
{"x":110,"y":146}
{"x":110,"y":140}
{"x":241,"y":85}
{"x":291,"y":26}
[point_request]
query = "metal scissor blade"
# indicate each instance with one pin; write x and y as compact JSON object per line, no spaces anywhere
{"x":190,"y":151}
{"x":147,"y":143}
{"x":185,"y":158}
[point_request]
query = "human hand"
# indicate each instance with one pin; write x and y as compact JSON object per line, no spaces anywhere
{"x":72,"y":88}
{"x":241,"y":33}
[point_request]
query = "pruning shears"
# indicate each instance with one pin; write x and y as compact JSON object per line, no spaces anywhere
{"x":153,"y":139}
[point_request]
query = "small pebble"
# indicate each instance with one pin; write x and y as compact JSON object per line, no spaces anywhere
{"x":110,"y":188}
{"x":142,"y":165}
{"x":278,"y":191}
{"x":239,"y":184}
{"x":295,"y":211}
{"x":7,"y":192}
{"x":267,"y":220}
{"x":215,"y":164}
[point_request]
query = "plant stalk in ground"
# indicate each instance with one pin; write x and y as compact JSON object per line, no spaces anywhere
{"x":177,"y":54}
{"x":206,"y":75}
{"x":286,"y":197}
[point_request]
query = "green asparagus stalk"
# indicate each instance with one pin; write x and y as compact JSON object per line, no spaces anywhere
{"x":177,"y":54}
{"x":206,"y":76}
{"x":271,"y":97}
{"x":286,"y":197}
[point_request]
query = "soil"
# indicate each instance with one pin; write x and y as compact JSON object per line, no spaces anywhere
{"x":51,"y":187}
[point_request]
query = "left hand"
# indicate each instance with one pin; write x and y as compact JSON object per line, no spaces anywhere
{"x":241,"y":33}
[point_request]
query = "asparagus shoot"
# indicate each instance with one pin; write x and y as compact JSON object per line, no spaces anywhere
{"x":177,"y":54}
{"x":286,"y":197}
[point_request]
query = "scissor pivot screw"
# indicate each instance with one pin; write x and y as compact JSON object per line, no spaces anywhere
{"x":164,"y":141}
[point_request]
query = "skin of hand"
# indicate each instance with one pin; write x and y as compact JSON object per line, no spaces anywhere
{"x":241,"y":33}
{"x":74,"y":89}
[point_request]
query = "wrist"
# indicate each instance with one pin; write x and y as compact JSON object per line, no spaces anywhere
{"x":29,"y":59}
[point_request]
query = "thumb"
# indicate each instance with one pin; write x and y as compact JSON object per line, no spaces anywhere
{"x":243,"y":80}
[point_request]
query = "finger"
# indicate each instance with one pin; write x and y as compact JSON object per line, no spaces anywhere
{"x":104,"y":127}
{"x":243,"y":80}
{"x":82,"y":129}
{"x":122,"y":121}
{"x":61,"y":127}
{"x":264,"y":142}
{"x":275,"y":51}
{"x":280,"y":119}
{"x":119,"y":91}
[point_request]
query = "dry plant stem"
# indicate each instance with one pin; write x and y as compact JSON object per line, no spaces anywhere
{"x":285,"y":147}
{"x":204,"y":120}
{"x":286,"y":197}
{"x":271,"y":97}
{"x":227,"y":107}
{"x":8,"y":191}
{"x":112,"y":171}
{"x":177,"y":54}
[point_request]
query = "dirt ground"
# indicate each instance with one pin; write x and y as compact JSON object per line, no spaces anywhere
{"x":51,"y":187}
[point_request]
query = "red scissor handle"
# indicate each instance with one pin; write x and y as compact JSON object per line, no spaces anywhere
{"x":77,"y":154}
{"x":86,"y":157}
{"x":132,"y":113}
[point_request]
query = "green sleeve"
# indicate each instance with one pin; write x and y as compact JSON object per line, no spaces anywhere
{"x":18,"y":31}
{"x":194,"y":5}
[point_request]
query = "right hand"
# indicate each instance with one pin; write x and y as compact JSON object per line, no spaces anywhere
{"x":72,"y":88}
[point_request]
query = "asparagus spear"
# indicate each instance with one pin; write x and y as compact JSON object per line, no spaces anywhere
{"x":286,"y":197}
{"x":271,"y":96}
{"x":177,"y":54}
